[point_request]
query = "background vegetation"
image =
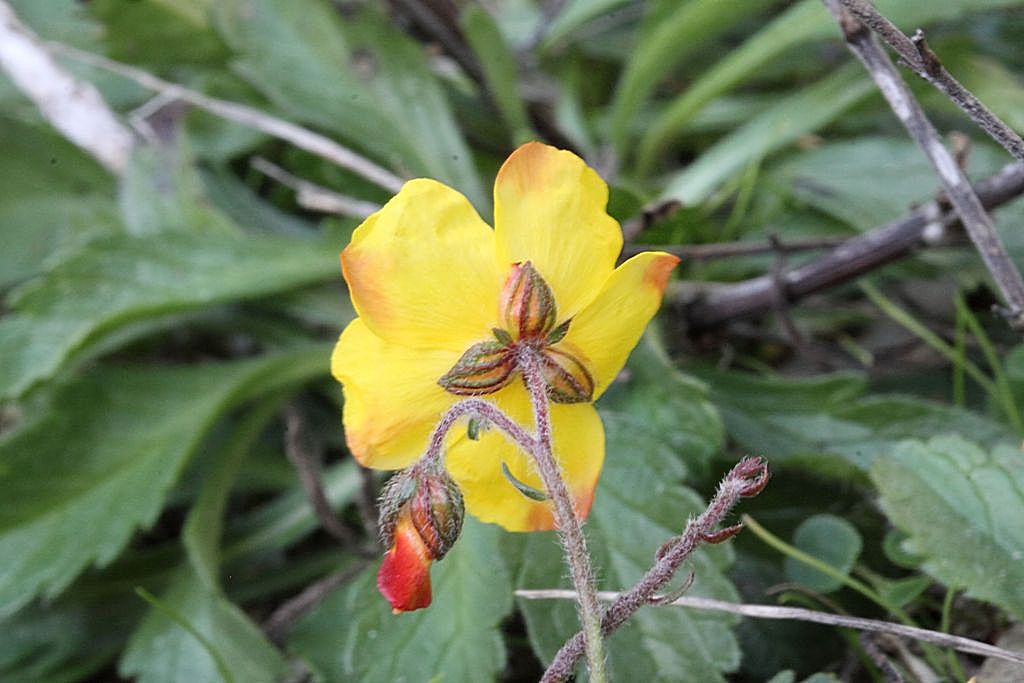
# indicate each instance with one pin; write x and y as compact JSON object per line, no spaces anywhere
{"x":165,"y":324}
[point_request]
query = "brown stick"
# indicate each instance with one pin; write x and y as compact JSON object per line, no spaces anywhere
{"x":915,"y":53}
{"x":924,"y":226}
{"x":968,"y":207}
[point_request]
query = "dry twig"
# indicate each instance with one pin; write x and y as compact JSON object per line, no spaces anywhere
{"x":924,"y":226}
{"x":73,"y":107}
{"x":277,"y":624}
{"x":314,"y":143}
{"x":938,"y":638}
{"x":918,"y":56}
{"x":315,"y":197}
{"x":305,"y":457}
{"x":968,"y":207}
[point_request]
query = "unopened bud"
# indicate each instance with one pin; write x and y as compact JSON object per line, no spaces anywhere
{"x":565,"y":377}
{"x":527,"y":303}
{"x":483,"y":369}
{"x":421,"y":515}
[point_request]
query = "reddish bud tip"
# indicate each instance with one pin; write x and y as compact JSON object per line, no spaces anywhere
{"x":755,"y":471}
{"x":722,"y":534}
{"x":404,"y":576}
{"x":420,"y":520}
{"x":527,"y":303}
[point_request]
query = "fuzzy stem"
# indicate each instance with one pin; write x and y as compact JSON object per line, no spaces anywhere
{"x":746,"y":479}
{"x":476,"y":407}
{"x":566,"y":518}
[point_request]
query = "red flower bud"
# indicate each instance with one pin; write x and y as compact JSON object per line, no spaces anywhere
{"x":420,"y":520}
{"x":527,"y":303}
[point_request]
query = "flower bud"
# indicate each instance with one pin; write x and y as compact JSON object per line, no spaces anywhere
{"x":567,"y":380}
{"x":527,"y":303}
{"x":420,"y":520}
{"x":483,"y":369}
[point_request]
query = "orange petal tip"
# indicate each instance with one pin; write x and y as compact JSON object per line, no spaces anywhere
{"x":659,"y":269}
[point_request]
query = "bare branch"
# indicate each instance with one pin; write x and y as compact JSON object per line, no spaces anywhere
{"x":968,"y":207}
{"x":938,"y":638}
{"x":73,"y":107}
{"x":314,"y":143}
{"x":315,"y":197}
{"x":915,"y":53}
{"x":925,"y":226}
{"x":718,"y":250}
{"x":277,"y":624}
{"x":305,"y":457}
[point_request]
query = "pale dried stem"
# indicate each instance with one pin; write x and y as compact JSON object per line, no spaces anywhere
{"x":73,"y":107}
{"x":938,"y":638}
{"x":302,"y":138}
{"x":968,"y":207}
{"x":315,"y":197}
{"x":915,"y":54}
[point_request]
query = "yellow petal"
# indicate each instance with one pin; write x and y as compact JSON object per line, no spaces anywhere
{"x":549,"y":209}
{"x":603,"y":333}
{"x":392,"y":399}
{"x":421,"y":271}
{"x":489,"y":496}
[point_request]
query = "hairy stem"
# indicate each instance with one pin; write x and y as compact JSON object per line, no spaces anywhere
{"x":566,"y":518}
{"x":746,"y":479}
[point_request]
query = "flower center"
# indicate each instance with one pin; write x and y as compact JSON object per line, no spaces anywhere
{"x":530,"y":316}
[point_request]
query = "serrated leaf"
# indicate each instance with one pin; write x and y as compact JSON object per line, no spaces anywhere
{"x":639,"y":505}
{"x":784,"y":417}
{"x":97,"y":466}
{"x":356,"y":77}
{"x":163,"y":651}
{"x":963,"y":508}
{"x":121,"y":287}
{"x":353,"y":636}
{"x":830,"y":539}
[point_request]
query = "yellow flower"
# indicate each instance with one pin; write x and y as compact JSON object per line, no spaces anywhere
{"x":426,"y":276}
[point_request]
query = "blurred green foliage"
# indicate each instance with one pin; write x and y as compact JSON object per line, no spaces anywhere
{"x":154,"y":325}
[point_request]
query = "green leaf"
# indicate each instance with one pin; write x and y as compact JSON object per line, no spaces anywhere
{"x":871,"y":180}
{"x":121,"y":287}
{"x":804,"y":22}
{"x":828,"y":415}
{"x":830,"y":539}
{"x":639,"y":505}
{"x":162,"y":191}
{"x":353,"y":636}
{"x":67,"y":640}
{"x":361,"y":78}
{"x":963,"y":508}
{"x":78,"y":481}
{"x":689,"y":27}
{"x":163,"y":650}
{"x":673,"y":407}
{"x":499,"y":67}
{"x":803,"y":112}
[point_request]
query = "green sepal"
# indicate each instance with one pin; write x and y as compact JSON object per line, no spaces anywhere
{"x":525,"y":489}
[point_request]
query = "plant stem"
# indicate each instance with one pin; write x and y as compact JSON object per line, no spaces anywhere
{"x":569,"y":528}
